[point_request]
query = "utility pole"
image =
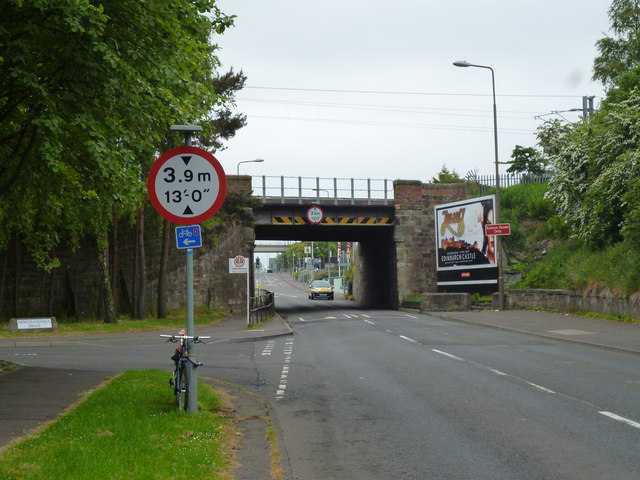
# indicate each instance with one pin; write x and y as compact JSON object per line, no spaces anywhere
{"x":587,"y":106}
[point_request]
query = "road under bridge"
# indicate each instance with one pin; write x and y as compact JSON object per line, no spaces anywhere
{"x":392,"y":222}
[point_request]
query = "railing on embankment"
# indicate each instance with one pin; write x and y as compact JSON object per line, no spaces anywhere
{"x":333,"y":190}
{"x":261,"y":307}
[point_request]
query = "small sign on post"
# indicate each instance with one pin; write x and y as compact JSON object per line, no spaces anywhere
{"x":498,"y":229}
{"x":189,"y":237}
{"x":240,"y":264}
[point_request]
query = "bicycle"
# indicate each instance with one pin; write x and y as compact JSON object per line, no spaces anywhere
{"x":180,"y":379}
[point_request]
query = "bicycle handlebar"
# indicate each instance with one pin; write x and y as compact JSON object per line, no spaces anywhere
{"x":175,"y":338}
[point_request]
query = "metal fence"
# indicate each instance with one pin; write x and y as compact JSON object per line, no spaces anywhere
{"x":261,"y":307}
{"x":486,"y":182}
{"x":336,"y":190}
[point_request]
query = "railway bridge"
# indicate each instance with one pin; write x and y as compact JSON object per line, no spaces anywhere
{"x":392,"y":222}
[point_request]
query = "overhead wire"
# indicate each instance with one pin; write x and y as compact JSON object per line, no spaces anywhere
{"x":391,"y":92}
{"x":411,"y":109}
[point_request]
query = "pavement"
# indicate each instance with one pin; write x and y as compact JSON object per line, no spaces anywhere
{"x":609,"y":334}
{"x":32,"y":397}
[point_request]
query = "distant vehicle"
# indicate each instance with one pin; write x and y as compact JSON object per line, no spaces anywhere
{"x":320,"y":289}
{"x":269,"y":270}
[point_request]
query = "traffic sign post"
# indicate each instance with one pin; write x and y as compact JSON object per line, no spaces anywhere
{"x":187,"y":185}
{"x":240,"y":264}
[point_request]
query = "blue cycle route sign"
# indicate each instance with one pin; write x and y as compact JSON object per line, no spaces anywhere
{"x":188,"y":237}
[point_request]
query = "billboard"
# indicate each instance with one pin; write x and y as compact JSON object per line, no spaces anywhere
{"x":466,"y":257}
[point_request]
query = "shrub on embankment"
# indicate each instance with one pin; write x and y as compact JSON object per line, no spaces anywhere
{"x":541,"y":249}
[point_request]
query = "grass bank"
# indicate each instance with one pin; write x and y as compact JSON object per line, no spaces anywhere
{"x":127,"y":429}
{"x":174,"y":322}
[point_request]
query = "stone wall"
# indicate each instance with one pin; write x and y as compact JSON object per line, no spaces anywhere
{"x":74,"y":289}
{"x":415,"y":232}
{"x":572,"y":301}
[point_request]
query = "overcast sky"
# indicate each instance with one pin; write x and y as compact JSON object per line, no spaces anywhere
{"x":367,"y":89}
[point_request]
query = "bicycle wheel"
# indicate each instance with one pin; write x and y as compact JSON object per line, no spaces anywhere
{"x":182,"y":392}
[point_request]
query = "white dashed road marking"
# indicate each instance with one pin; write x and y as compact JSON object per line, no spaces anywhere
{"x":621,"y":419}
{"x":284,"y":375}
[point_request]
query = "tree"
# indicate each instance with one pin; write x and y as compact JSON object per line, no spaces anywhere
{"x":620,"y":54}
{"x":86,"y":94}
{"x":447,"y":176}
{"x":596,"y":175}
{"x":596,"y":163}
{"x":527,"y":160}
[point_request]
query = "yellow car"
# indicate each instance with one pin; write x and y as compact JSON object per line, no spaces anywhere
{"x":320,"y":289}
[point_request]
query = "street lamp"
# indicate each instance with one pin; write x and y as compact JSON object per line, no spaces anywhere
{"x":257,"y":160}
{"x":496,"y":207}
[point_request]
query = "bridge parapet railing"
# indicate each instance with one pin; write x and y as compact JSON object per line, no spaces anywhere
{"x":337,"y":191}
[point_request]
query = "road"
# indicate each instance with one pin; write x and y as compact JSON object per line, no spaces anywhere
{"x":374,"y":394}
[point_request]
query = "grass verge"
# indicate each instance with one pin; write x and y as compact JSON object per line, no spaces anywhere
{"x":129,"y":428}
{"x":123,"y":325}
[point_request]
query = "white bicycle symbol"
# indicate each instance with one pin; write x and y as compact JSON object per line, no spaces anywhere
{"x":185,"y":233}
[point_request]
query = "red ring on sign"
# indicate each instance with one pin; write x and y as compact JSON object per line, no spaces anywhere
{"x":155,"y":201}
{"x":315,"y":207}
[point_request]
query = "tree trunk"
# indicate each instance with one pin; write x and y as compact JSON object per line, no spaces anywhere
{"x":107,"y":294}
{"x":142,"y":283}
{"x":164,"y":264}
{"x":134,"y":276}
{"x":114,"y":260}
{"x":16,"y":278}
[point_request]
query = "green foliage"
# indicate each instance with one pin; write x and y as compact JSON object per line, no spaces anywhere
{"x":447,"y":176}
{"x":128,"y":429}
{"x":412,"y":299}
{"x":526,"y":201}
{"x":596,"y":171}
{"x":322,"y":250}
{"x":620,"y":53}
{"x":572,"y":266}
{"x":87,"y":92}
{"x":527,"y":160}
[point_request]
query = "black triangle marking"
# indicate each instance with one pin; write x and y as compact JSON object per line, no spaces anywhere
{"x":187,"y":211}
{"x":186,"y":159}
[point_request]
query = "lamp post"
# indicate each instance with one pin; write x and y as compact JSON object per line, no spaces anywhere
{"x":496,"y":207}
{"x":257,"y":160}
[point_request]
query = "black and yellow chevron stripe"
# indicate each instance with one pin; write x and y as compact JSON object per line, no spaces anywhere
{"x":334,"y":221}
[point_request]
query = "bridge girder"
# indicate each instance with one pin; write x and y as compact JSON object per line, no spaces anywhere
{"x":356,"y":223}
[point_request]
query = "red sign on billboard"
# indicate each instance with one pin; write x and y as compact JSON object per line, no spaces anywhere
{"x":498,"y":229}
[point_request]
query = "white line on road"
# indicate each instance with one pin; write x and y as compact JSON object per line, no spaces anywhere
{"x":408,"y":339}
{"x":540,"y":387}
{"x":498,"y":372}
{"x":284,"y":375}
{"x":448,"y":355}
{"x":369,"y":322}
{"x":621,"y":419}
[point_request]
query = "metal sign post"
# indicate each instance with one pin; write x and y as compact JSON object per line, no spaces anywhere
{"x":187,"y":185}
{"x":240,"y":264}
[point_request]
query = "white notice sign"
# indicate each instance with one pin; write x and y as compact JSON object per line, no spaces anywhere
{"x":31,"y":323}
{"x":239,"y":264}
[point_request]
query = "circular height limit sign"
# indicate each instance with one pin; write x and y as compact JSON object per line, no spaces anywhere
{"x":186,"y":185}
{"x":315,"y":215}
